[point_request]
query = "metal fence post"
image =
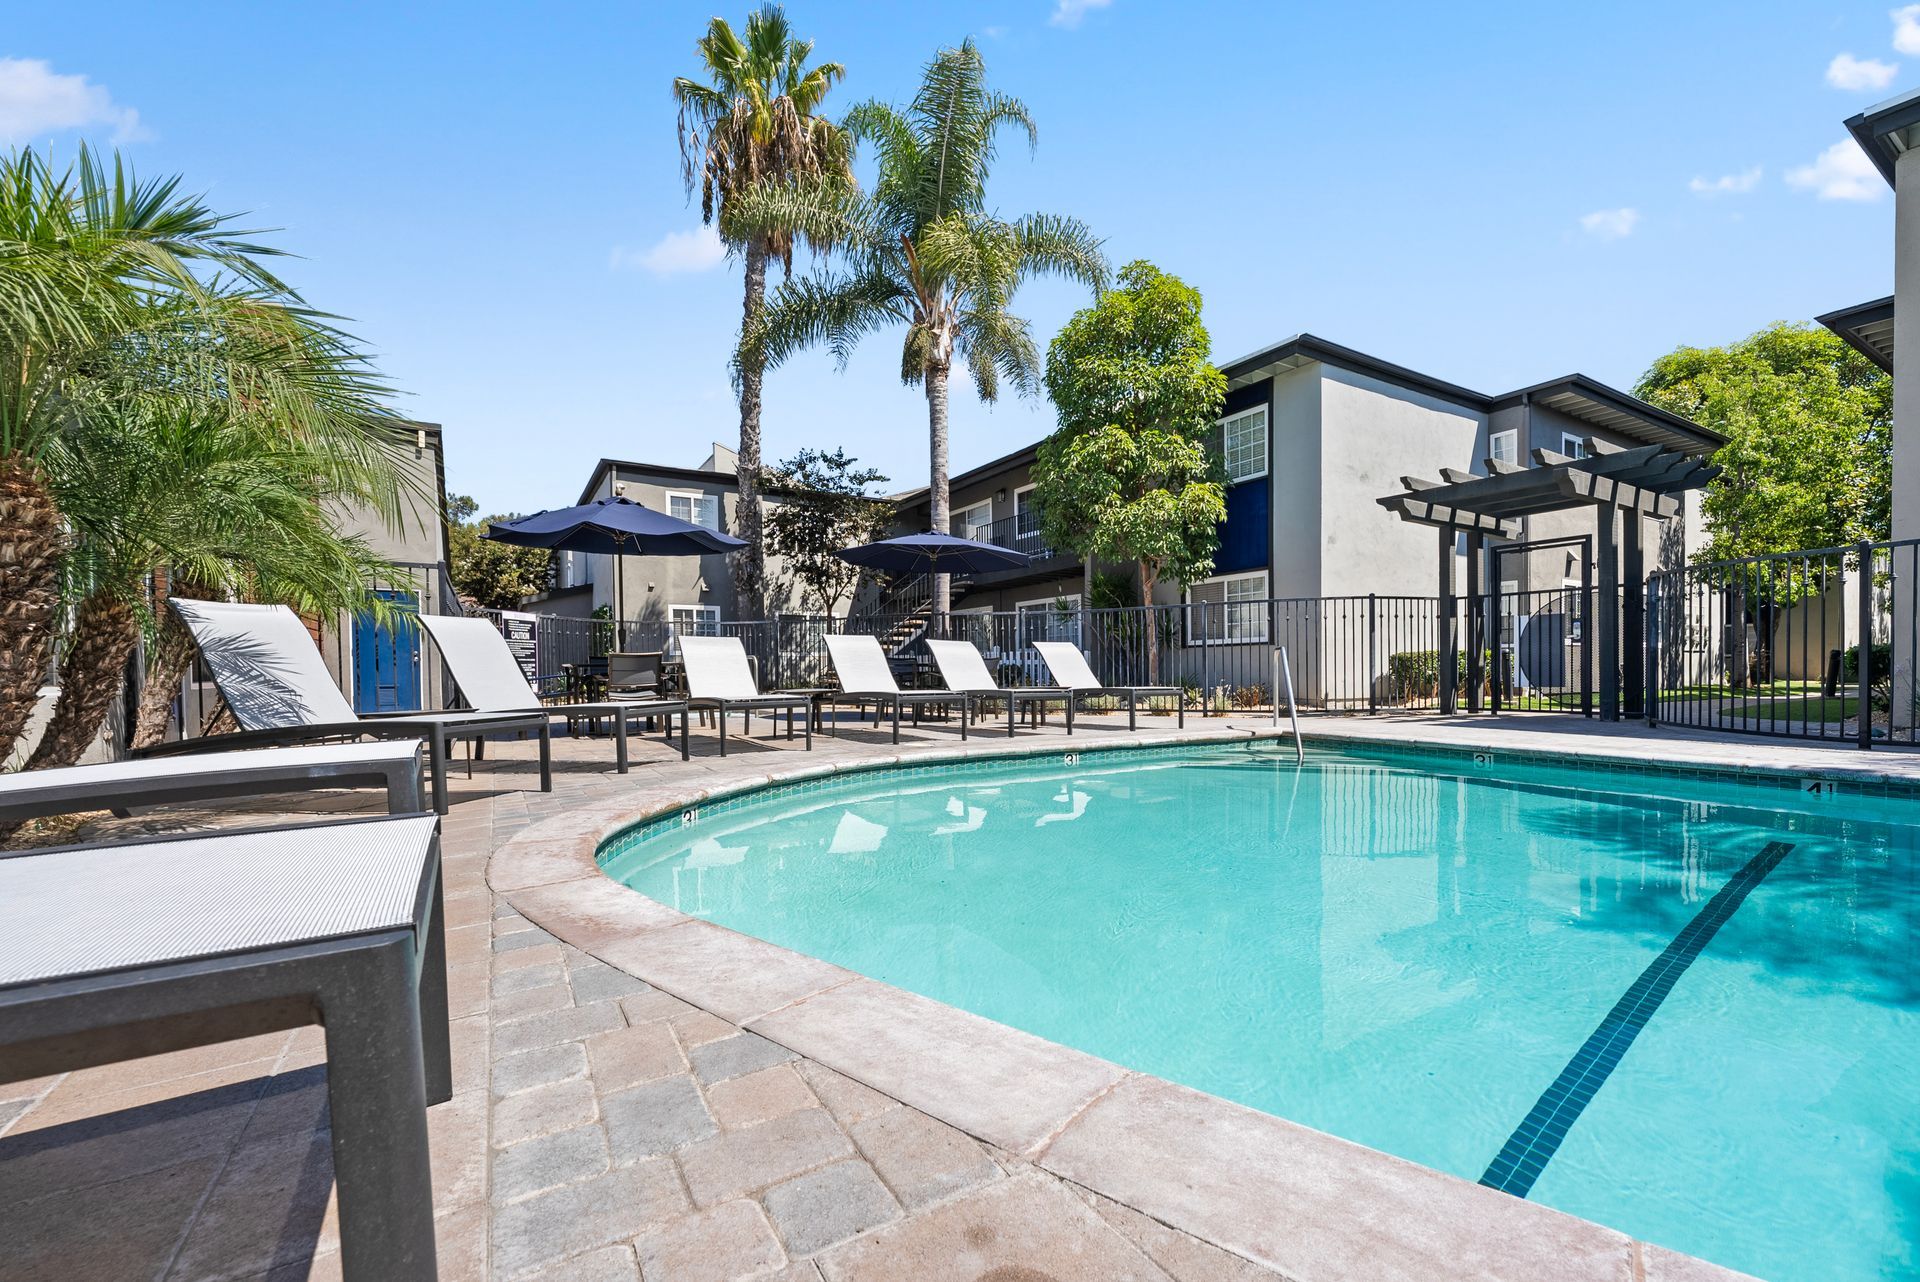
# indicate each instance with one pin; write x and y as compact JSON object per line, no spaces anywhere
{"x":1373,"y":653}
{"x":1863,"y":664}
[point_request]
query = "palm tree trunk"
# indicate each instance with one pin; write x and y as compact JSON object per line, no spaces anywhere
{"x":32,"y":542}
{"x":92,"y":673}
{"x":172,"y":656}
{"x":938,"y":516}
{"x":750,"y":567}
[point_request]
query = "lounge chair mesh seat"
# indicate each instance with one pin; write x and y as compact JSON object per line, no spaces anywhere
{"x":279,"y":690}
{"x":491,"y":681}
{"x":965,"y":672}
{"x":119,"y":785}
{"x":719,"y":677}
{"x":861,"y":666}
{"x":1071,"y":669}
{"x":299,"y":884}
{"x":120,"y":952}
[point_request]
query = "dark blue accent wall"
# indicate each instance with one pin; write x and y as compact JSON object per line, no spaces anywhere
{"x":1244,"y":535}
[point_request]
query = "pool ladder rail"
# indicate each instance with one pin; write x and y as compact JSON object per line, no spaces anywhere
{"x":1283,"y":676}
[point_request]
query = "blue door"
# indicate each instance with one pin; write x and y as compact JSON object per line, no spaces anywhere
{"x":386,"y":659}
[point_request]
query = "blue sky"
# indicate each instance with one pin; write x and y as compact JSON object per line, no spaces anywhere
{"x":1494,"y":195}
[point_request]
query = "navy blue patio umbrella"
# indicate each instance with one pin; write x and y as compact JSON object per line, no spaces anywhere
{"x":612,"y":527}
{"x":934,"y":554}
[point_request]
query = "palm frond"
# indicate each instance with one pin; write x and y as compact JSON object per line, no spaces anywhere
{"x":835,"y":311}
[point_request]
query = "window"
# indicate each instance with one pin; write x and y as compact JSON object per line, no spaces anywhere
{"x":1243,"y":444}
{"x":974,"y":522}
{"x":695,"y":620}
{"x":1573,"y":446}
{"x":1054,"y":618}
{"x":1026,"y":521}
{"x":1230,"y":610}
{"x":1504,"y":447}
{"x":692,"y":506}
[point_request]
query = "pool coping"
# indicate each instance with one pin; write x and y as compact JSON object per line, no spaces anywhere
{"x":1305,"y":1203}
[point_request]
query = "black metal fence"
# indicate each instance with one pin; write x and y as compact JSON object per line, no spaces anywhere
{"x":1817,"y":644}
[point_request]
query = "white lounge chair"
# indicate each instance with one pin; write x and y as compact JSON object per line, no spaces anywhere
{"x":273,"y":680}
{"x":121,"y":785}
{"x":491,"y":681}
{"x":719,"y":677}
{"x":1073,"y":673}
{"x":122,"y":951}
{"x":965,"y":672}
{"x":865,"y":678}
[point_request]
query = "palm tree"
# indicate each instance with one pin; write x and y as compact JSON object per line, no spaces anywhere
{"x":84,"y":259}
{"x":755,"y":122}
{"x":922,"y":250}
{"x":208,"y":454}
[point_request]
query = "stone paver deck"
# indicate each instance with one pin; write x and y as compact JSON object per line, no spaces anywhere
{"x":603,"y":1128}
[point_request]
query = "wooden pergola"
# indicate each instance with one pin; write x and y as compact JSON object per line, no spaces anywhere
{"x":1615,"y":482}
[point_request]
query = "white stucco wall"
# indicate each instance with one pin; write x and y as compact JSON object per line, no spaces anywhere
{"x":1372,"y":434}
{"x":1293,"y":464}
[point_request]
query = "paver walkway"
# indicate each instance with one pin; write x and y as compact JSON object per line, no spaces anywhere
{"x":600,"y":1129}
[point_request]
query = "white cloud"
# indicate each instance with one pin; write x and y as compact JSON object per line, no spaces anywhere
{"x":1068,"y":13}
{"x":35,"y":101}
{"x":1841,"y":172}
{"x":1726,"y":184}
{"x":1610,"y":224}
{"x":1906,"y":28}
{"x":674,"y":253}
{"x":1856,"y":74}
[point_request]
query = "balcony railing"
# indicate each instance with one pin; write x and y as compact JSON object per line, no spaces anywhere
{"x":1021,"y":533}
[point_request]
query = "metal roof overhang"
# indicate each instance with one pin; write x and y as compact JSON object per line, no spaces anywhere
{"x":1648,"y":479}
{"x":1867,"y":328}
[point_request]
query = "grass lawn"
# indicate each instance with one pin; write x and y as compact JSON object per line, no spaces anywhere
{"x":1776,"y":700}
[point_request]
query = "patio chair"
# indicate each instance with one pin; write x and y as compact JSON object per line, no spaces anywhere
{"x":1072,"y":672}
{"x":123,"y":951}
{"x":491,"y":680}
{"x":273,"y":680}
{"x":965,"y":672}
{"x":865,"y":678}
{"x":121,"y":785}
{"x":719,"y":677}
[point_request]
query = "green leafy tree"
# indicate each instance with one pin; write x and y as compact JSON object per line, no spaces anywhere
{"x":755,"y":119}
{"x":1127,"y":475}
{"x":923,"y":251}
{"x":494,"y":576}
{"x":1808,"y":461}
{"x":824,"y":508}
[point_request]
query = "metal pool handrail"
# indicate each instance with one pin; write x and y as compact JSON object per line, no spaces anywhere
{"x":1283,"y":673}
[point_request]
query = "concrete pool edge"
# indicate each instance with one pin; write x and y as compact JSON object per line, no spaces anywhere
{"x":1307,"y":1204}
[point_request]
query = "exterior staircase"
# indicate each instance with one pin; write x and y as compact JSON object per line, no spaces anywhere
{"x":901,"y":608}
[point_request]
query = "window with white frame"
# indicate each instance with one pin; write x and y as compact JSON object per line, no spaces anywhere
{"x":974,"y":522}
{"x":694,"y":507}
{"x":1243,"y":444}
{"x":1052,"y":619}
{"x":1228,"y":610}
{"x":1504,"y":447}
{"x":695,"y":620}
{"x":1573,"y":446}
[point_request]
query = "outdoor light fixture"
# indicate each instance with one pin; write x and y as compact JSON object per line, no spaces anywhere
{"x":1000,"y":496}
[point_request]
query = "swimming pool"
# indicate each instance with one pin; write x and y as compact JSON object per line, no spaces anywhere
{"x":1685,"y":1007}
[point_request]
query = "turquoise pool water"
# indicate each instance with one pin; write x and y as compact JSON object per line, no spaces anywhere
{"x":1409,"y":950}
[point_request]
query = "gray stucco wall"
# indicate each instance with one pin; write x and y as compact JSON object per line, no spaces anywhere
{"x":1293,"y":463}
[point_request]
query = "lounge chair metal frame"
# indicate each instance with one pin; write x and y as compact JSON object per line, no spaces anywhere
{"x":120,"y":786}
{"x":487,"y":678}
{"x":1075,"y":675}
{"x":439,"y":730}
{"x":965,"y":672}
{"x":380,"y":991}
{"x":866,"y":680}
{"x":719,"y":664}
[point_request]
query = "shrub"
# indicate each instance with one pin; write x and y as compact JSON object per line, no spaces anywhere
{"x":1250,"y":697}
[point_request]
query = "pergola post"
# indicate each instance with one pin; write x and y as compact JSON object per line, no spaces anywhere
{"x":1606,"y":623}
{"x":1448,"y":639}
{"x":1633,"y":629}
{"x":1476,"y":620}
